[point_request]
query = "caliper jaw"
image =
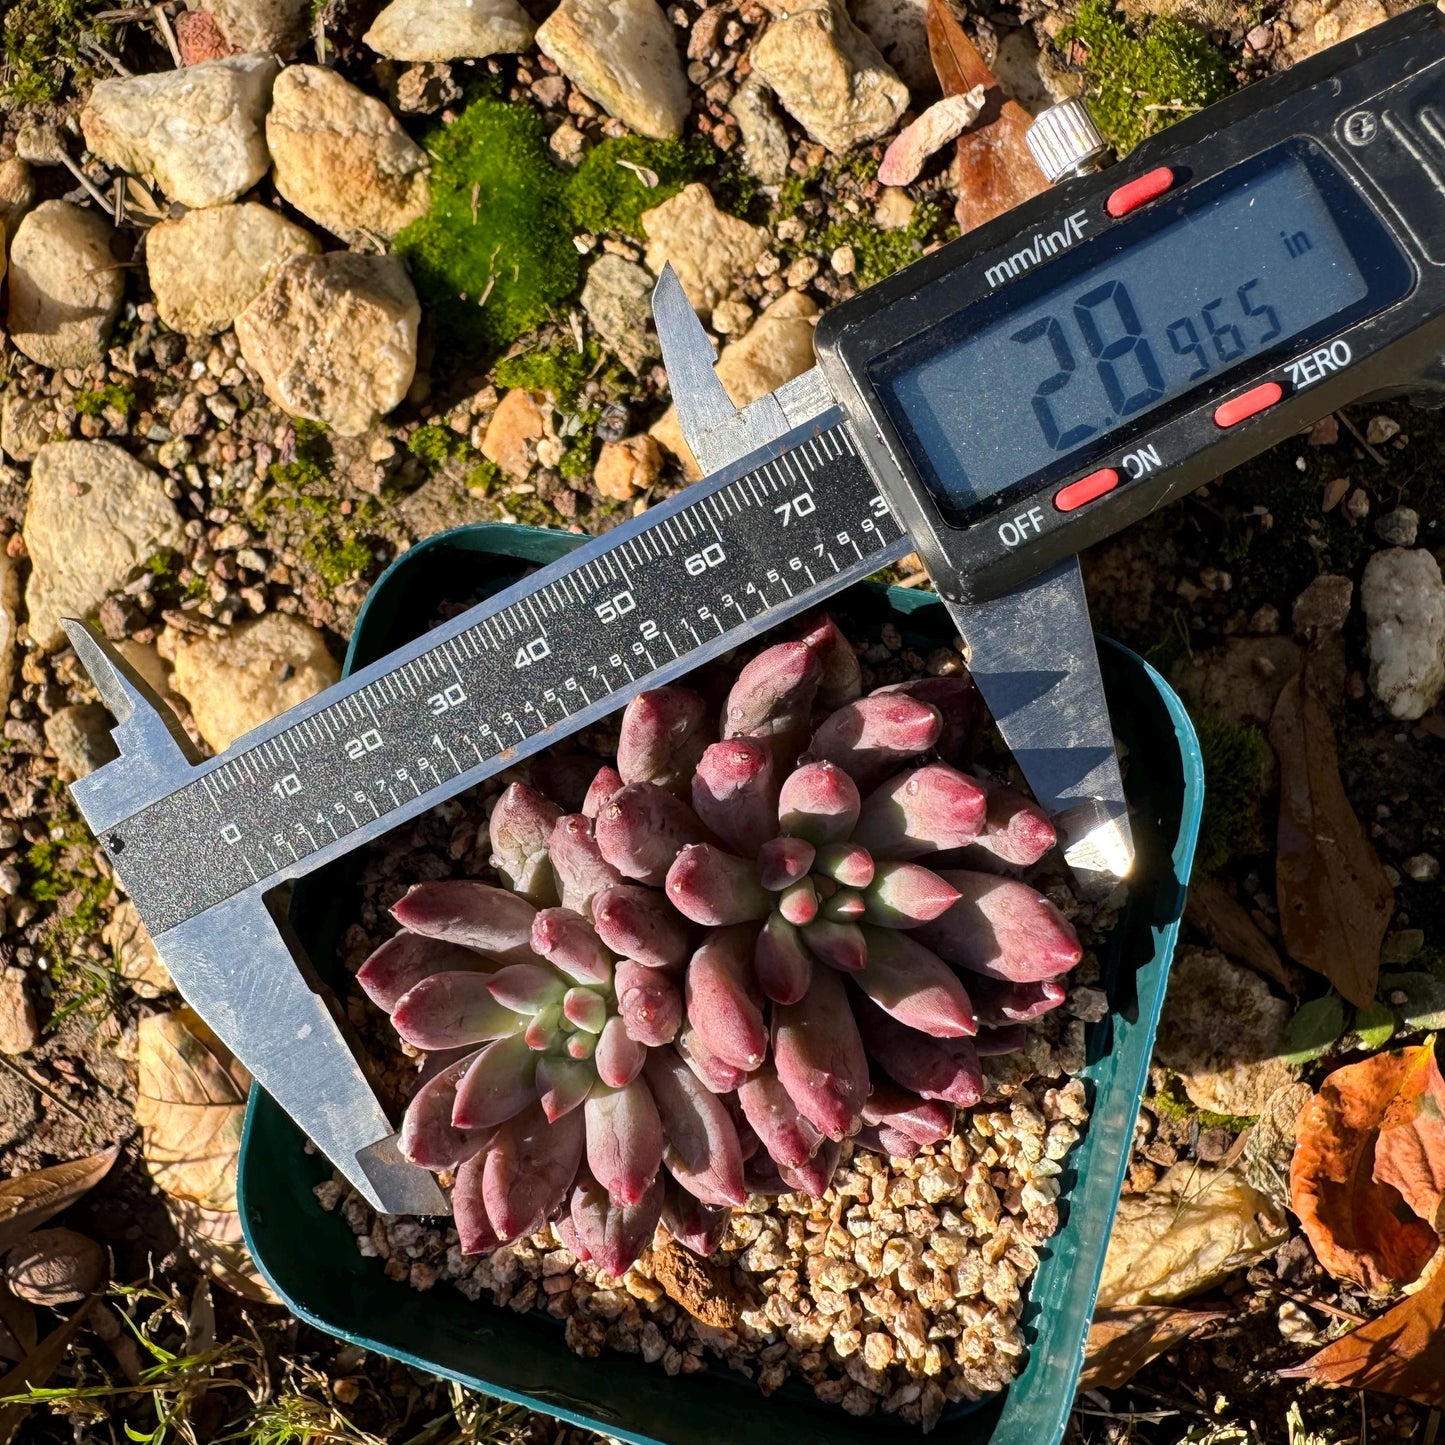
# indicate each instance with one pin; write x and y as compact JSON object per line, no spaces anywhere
{"x":240,"y":966}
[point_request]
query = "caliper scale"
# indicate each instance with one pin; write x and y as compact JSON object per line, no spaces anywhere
{"x":997,"y":406}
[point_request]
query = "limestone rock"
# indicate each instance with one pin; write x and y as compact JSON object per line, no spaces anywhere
{"x":65,"y":286}
{"x":259,"y":669}
{"x":1404,"y":602}
{"x":17,"y":195}
{"x":9,"y":625}
{"x":830,"y":77}
{"x":342,"y":157}
{"x":709,"y":249}
{"x":449,"y":29}
{"x":80,"y":738}
{"x":513,"y":433}
{"x":275,"y":25}
{"x":1222,"y":1032}
{"x":777,"y":348}
{"x":1323,"y":608}
{"x":618,"y":301}
{"x":899,"y":28}
{"x":95,"y":514}
{"x":1398,"y":528}
{"x":197,"y":131}
{"x":333,"y":338}
{"x":26,"y":424}
{"x":209,"y":266}
{"x":623,"y":53}
{"x":19,"y":1032}
{"x":766,"y":150}
{"x":1323,"y":25}
{"x":627,"y":467}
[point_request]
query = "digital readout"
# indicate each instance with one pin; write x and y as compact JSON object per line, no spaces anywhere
{"x":1241,"y":274}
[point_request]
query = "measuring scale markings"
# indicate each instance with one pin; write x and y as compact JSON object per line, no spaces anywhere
{"x":637,"y":608}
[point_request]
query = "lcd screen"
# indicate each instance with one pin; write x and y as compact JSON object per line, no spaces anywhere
{"x":1014,"y":390}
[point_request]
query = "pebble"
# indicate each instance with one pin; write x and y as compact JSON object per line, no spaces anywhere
{"x":1422,"y":867}
{"x":65,"y":286}
{"x":277,"y":26}
{"x":622,"y":53}
{"x":17,"y":194}
{"x":627,"y":467}
{"x":207,"y":267}
{"x":617,"y":300}
{"x":450,"y":29}
{"x":334,"y":338}
{"x":1398,"y":528}
{"x":19,"y":1032}
{"x":1323,"y":607}
{"x":196,"y":132}
{"x":1404,"y":602}
{"x":9,"y":624}
{"x":94,"y":515}
{"x":257,"y":670}
{"x":710,"y":250}
{"x":894,"y":211}
{"x":199,"y":38}
{"x":766,"y":150}
{"x":80,"y":738}
{"x":830,"y":77}
{"x":342,"y":158}
{"x":26,"y":424}
{"x":513,"y":433}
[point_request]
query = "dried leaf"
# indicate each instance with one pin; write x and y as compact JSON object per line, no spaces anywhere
{"x":1360,"y":1229}
{"x":1401,"y":1352}
{"x":1224,"y":921}
{"x":1410,"y":1152}
{"x":996,"y":170}
{"x":1122,"y":1342}
{"x":1334,"y":899}
{"x":213,"y":1239}
{"x":190,"y":1103}
{"x":18,"y":1319}
{"x":27,"y":1202}
{"x":35,"y":1369}
{"x":1269,"y":1145}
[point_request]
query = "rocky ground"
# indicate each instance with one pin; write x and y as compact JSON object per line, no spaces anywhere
{"x":290,"y":286}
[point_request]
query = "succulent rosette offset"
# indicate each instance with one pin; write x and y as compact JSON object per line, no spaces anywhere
{"x":755,"y":941}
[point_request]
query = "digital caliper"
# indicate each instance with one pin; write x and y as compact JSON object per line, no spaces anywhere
{"x":998,"y":406}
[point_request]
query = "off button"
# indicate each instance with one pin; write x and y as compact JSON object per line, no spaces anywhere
{"x":1086,"y":489}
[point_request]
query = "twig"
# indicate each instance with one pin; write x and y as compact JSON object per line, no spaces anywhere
{"x":96,"y":48}
{"x":25,"y":1076}
{"x":1315,"y":1304}
{"x":1358,"y":435}
{"x":163,"y":24}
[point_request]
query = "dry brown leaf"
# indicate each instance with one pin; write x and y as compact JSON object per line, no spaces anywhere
{"x":1410,"y":1152}
{"x":1401,"y":1352}
{"x":1334,"y":899}
{"x":1122,"y":1342}
{"x":214,"y":1240}
{"x":1225,"y":922}
{"x":996,"y":170}
{"x":190,"y":1103}
{"x":35,"y":1369}
{"x":28,"y":1201}
{"x":18,"y":1319}
{"x":1360,"y":1229}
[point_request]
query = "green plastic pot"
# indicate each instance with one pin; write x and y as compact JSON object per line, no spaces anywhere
{"x":311,"y":1259}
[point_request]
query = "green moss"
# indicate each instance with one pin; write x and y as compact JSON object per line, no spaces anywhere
{"x":95,"y":403}
{"x":337,"y":560}
{"x":40,"y":42}
{"x":606,"y":194}
{"x":1234,"y":758}
{"x":879,"y":253}
{"x":484,"y":476}
{"x":794,"y":191}
{"x":434,"y":444}
{"x":59,"y":868}
{"x":1140,"y":83}
{"x":1173,"y":1103}
{"x":560,"y":371}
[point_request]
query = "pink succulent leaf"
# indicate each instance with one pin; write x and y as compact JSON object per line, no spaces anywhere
{"x":607,"y":781}
{"x":1002,"y":928}
{"x":643,"y":828}
{"x":490,"y":920}
{"x":999,"y":1003}
{"x":933,"y":1068}
{"x":1002,"y":1039}
{"x":545,"y":1028}
{"x":787,"y":1136}
{"x":959,"y":704}
{"x":636,"y":923}
{"x":913,"y":984}
{"x":663,"y":735}
{"x":526,"y":987}
{"x":701,"y":1149}
{"x":814,"y":1177}
{"x":530,"y":1167}
{"x":449,"y":1010}
{"x":761,"y":1176}
{"x":520,"y":829}
{"x":649,"y":1003}
{"x":870,"y":738}
{"x":715,"y":1075}
{"x":845,"y":863}
{"x":469,"y":1209}
{"x":500,"y":1082}
{"x":774,"y":693}
{"x":819,"y":1056}
{"x":748,"y":1140}
{"x":428,"y":1137}
{"x":904,"y":895}
{"x":925,"y":810}
{"x":613,"y":1238}
{"x":619,"y":1057}
{"x":883,"y":1139}
{"x":819,"y":802}
{"x":624,"y":1140}
{"x":842,"y":678}
{"x":405,"y":959}
{"x":715,"y":888}
{"x":798,"y":902}
{"x":567,"y":1234}
{"x":782,"y":861}
{"x":724,"y":1002}
{"x":840,"y":945}
{"x":781,"y":965}
{"x":580,"y":1047}
{"x":585,"y":1009}
{"x":694,"y":1225}
{"x":563,"y":1083}
{"x":847,"y":905}
{"x":582,"y":872}
{"x":735,"y":793}
{"x":1016,"y":830}
{"x":433,"y":1063}
{"x":925,"y":1121}
{"x":571,"y":945}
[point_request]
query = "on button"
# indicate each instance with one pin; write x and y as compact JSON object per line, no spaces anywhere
{"x":1086,"y":489}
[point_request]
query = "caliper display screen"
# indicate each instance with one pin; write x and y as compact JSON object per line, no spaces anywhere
{"x":1042,"y":372}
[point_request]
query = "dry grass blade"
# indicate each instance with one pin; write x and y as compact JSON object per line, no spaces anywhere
{"x":28,"y":1201}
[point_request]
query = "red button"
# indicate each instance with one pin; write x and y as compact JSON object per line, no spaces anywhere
{"x":1140,"y":192}
{"x":1086,"y":489}
{"x":1251,"y":403}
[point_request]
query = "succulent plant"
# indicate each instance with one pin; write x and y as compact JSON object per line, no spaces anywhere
{"x":729,"y":962}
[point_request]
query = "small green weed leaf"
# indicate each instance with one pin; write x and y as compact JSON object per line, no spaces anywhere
{"x":1314,"y":1030}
